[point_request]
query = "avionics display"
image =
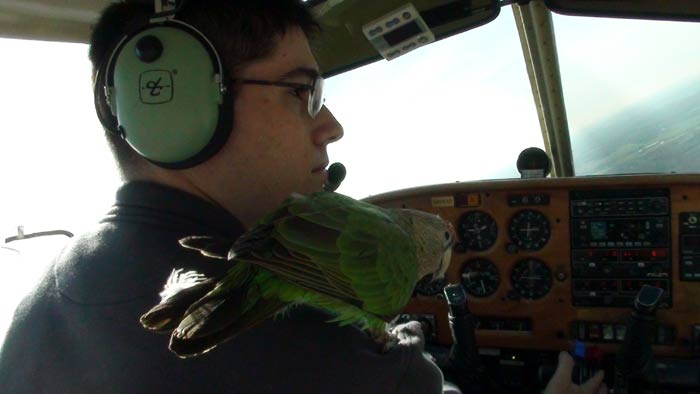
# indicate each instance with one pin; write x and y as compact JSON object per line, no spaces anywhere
{"x":620,"y":241}
{"x":402,"y":33}
{"x":627,"y":232}
{"x":689,"y":244}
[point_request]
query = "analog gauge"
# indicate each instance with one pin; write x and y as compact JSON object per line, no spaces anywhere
{"x":430,"y":287}
{"x":529,"y":230}
{"x":478,"y":230}
{"x":531,"y":278}
{"x":480,"y":277}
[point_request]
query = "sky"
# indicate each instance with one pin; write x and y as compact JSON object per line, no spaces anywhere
{"x":56,"y":167}
{"x":457,"y":110}
{"x":608,"y":64}
{"x":462,"y":108}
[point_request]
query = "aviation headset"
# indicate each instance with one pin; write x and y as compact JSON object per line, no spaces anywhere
{"x":163,"y":89}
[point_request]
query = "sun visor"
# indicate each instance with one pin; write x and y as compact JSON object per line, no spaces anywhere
{"x":359,"y":32}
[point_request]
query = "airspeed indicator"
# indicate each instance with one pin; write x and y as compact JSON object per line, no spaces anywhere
{"x":478,"y":230}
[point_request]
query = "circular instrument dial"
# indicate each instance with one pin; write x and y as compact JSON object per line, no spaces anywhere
{"x":480,"y":277}
{"x":529,"y":230}
{"x":478,"y":230}
{"x":430,"y":287}
{"x":531,"y":278}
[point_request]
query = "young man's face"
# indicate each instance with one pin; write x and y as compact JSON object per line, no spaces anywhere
{"x":275,"y":148}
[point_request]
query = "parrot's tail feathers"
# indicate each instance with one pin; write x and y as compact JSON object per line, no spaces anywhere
{"x":218,"y":330}
{"x":208,"y":246}
{"x":180,"y":280}
{"x":181,"y":290}
{"x":210,"y":315}
{"x":232,"y":297}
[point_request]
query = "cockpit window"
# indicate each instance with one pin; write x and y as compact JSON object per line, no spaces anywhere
{"x":457,"y":110}
{"x":57,"y":171}
{"x":632,"y":93}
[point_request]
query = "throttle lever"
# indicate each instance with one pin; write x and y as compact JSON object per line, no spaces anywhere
{"x":464,"y":358}
{"x":464,"y":352}
{"x":635,"y":370}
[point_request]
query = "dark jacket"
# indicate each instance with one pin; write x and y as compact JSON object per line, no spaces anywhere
{"x":79,"y":330}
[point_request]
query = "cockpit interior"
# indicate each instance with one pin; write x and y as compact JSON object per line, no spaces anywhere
{"x":575,"y":233}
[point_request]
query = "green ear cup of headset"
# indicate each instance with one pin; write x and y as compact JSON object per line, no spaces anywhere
{"x":168,"y":99}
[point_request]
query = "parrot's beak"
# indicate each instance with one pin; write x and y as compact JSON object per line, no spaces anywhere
{"x":453,"y":234}
{"x":447,"y":251}
{"x":446,"y":258}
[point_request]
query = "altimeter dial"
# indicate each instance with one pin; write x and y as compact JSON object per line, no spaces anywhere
{"x":480,"y":277}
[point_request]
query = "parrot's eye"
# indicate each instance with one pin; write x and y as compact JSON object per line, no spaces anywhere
{"x":447,"y":235}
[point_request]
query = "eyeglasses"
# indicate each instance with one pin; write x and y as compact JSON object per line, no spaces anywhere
{"x":316,"y":99}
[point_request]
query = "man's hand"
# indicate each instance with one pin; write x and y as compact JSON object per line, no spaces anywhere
{"x":410,"y":333}
{"x":561,"y":380}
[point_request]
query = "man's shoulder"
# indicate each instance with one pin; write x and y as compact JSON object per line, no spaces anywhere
{"x":317,"y":355}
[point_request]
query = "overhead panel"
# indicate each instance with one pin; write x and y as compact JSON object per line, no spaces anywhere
{"x":344,"y":46}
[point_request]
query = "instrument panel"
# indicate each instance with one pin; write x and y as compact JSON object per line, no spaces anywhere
{"x":547,"y":262}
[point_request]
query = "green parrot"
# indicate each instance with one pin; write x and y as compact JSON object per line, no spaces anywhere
{"x":354,"y":259}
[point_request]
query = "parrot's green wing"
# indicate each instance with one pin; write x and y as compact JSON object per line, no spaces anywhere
{"x":324,"y":250}
{"x":337,"y":246}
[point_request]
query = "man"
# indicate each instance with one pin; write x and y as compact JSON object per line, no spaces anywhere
{"x":79,"y":330}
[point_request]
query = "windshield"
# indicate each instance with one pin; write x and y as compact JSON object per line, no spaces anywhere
{"x":49,"y":133}
{"x":632,"y":94}
{"x":457,"y":110}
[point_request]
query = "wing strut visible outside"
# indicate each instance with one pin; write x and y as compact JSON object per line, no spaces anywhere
{"x":534,"y":22}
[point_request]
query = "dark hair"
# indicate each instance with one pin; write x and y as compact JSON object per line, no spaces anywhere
{"x":242,"y":31}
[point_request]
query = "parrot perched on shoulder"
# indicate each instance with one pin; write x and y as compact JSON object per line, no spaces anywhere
{"x":351,"y":258}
